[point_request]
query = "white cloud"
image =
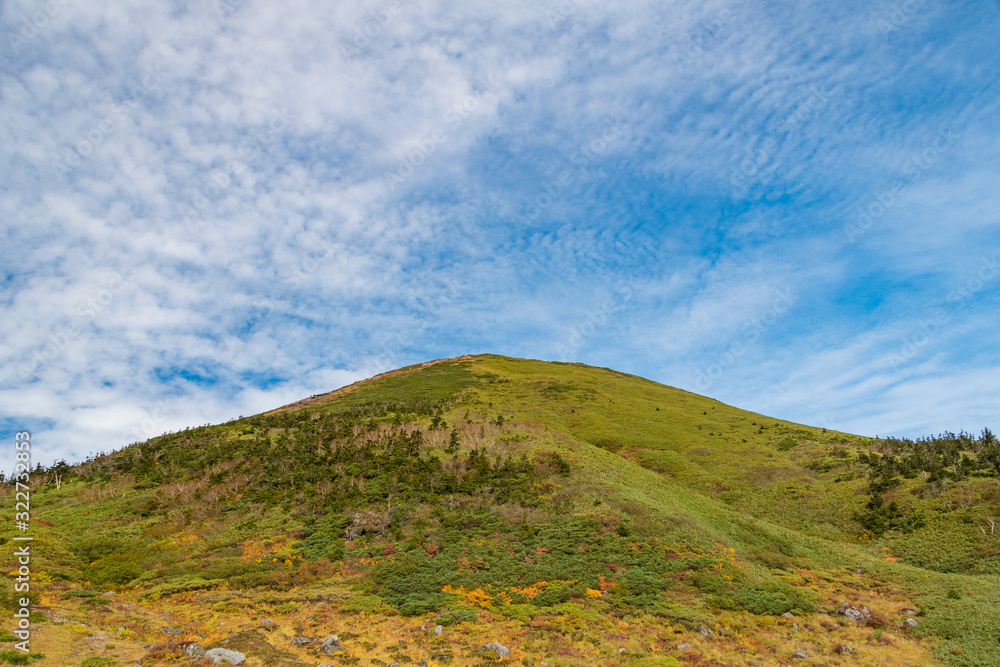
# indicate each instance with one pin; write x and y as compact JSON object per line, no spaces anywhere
{"x":232,"y":167}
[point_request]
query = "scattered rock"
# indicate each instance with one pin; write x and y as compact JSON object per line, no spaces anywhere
{"x":906,"y":611}
{"x":109,"y":594}
{"x":121,"y":629}
{"x":332,"y":640}
{"x":621,"y":650}
{"x":268,"y":622}
{"x":846,"y":650}
{"x":683,"y":647}
{"x":800,"y":655}
{"x":422,"y":663}
{"x":705,"y":632}
{"x":438,"y":630}
{"x":911,"y":622}
{"x":325,"y":664}
{"x":223,"y":656}
{"x":852,"y":613}
{"x":300,"y":640}
{"x":367,"y":522}
{"x":424,"y":628}
{"x":859,"y":571}
{"x":395,"y":664}
{"x":788,"y":614}
{"x":501,"y":650}
{"x":333,"y":650}
{"x":192,"y":650}
{"x":171,"y":631}
{"x":795,"y":626}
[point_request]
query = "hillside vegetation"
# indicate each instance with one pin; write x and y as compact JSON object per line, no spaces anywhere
{"x":575,"y":515}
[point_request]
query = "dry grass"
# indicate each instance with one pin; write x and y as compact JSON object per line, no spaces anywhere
{"x":233,"y":619}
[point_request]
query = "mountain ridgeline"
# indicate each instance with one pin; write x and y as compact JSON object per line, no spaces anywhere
{"x":580,"y":515}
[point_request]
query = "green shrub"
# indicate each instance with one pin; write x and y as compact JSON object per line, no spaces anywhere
{"x":19,"y":657}
{"x":709,"y":583}
{"x":458,"y":616}
{"x":78,"y":593}
{"x":11,"y":599}
{"x":15,"y":657}
{"x":117,"y":569}
{"x":368,"y":603}
{"x":683,"y":615}
{"x":97,"y":602}
{"x":98,"y":662}
{"x":521,"y":612}
{"x":775,"y":598}
{"x":325,"y":538}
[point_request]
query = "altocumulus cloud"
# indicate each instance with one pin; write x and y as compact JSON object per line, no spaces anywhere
{"x":214,"y":208}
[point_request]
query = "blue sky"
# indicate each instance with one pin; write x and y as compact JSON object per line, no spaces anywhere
{"x":210,"y":209}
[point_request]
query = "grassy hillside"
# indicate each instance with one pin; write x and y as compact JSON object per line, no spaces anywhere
{"x":576,"y":515}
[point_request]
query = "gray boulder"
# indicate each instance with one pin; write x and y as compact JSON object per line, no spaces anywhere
{"x":192,"y":650}
{"x":501,"y":650}
{"x":332,"y":640}
{"x":438,"y":630}
{"x":911,"y":622}
{"x":683,"y":647}
{"x":852,"y":613}
{"x":846,"y":650}
{"x":800,"y":655}
{"x":300,"y":640}
{"x":268,"y":622}
{"x":224,"y":656}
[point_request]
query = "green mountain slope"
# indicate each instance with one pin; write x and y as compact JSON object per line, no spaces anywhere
{"x":559,"y":504}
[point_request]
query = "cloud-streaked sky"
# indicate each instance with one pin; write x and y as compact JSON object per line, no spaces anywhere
{"x":209,"y":209}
